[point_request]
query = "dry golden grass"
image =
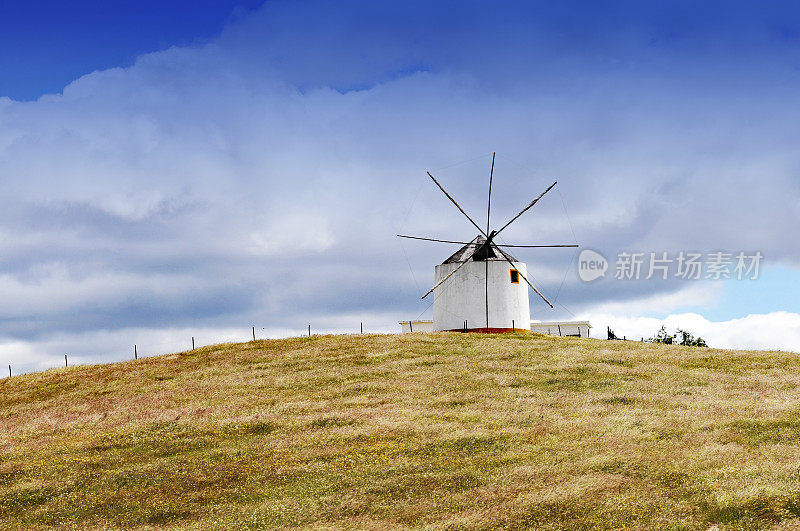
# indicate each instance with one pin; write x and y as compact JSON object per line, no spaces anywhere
{"x":420,"y":430}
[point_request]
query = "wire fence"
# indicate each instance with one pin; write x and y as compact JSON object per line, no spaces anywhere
{"x":153,"y":349}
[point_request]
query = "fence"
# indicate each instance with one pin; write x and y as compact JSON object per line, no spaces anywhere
{"x":306,"y":332}
{"x":613,"y":337}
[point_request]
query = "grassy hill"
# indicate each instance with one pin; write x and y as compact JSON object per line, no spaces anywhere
{"x":437,"y":430}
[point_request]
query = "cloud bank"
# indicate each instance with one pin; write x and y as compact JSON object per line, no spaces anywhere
{"x":772,"y":331}
{"x":259,"y":179}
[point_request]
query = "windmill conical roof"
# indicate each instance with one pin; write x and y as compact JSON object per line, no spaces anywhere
{"x":465,"y":253}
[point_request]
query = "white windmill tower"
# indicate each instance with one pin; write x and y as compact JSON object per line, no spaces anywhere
{"x":478,"y":288}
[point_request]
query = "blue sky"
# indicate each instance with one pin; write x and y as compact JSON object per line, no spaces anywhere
{"x":179,"y":169}
{"x":47,"y":44}
{"x":776,"y":289}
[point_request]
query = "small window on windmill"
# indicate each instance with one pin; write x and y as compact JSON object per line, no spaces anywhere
{"x":514,"y":276}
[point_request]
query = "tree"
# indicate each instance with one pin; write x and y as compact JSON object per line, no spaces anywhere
{"x":681,"y":337}
{"x":662,"y":337}
{"x":689,"y":340}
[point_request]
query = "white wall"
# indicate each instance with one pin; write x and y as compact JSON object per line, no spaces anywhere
{"x":463,"y":297}
{"x":407,"y":327}
{"x":563,"y":328}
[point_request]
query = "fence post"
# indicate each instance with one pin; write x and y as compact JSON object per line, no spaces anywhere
{"x":362,"y":327}
{"x":254,"y":333}
{"x":559,"y":330}
{"x":309,"y":330}
{"x":66,"y":364}
{"x":9,"y":371}
{"x":135,"y":353}
{"x":513,"y":327}
{"x":192,"y":342}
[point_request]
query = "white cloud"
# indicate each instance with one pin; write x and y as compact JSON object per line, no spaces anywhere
{"x":772,"y":331}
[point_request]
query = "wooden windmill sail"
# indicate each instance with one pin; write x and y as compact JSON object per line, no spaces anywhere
{"x":484,"y":248}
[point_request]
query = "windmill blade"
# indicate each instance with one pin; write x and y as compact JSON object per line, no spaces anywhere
{"x":534,"y":246}
{"x":456,"y":204}
{"x":489,"y":208}
{"x":452,"y":272}
{"x":488,"y":228}
{"x":539,"y":293}
{"x":527,"y":207}
{"x":432,"y":239}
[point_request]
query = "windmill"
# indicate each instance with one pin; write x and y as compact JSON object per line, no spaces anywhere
{"x":483,"y":269}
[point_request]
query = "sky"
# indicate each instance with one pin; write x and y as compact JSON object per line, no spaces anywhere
{"x":194,"y":169}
